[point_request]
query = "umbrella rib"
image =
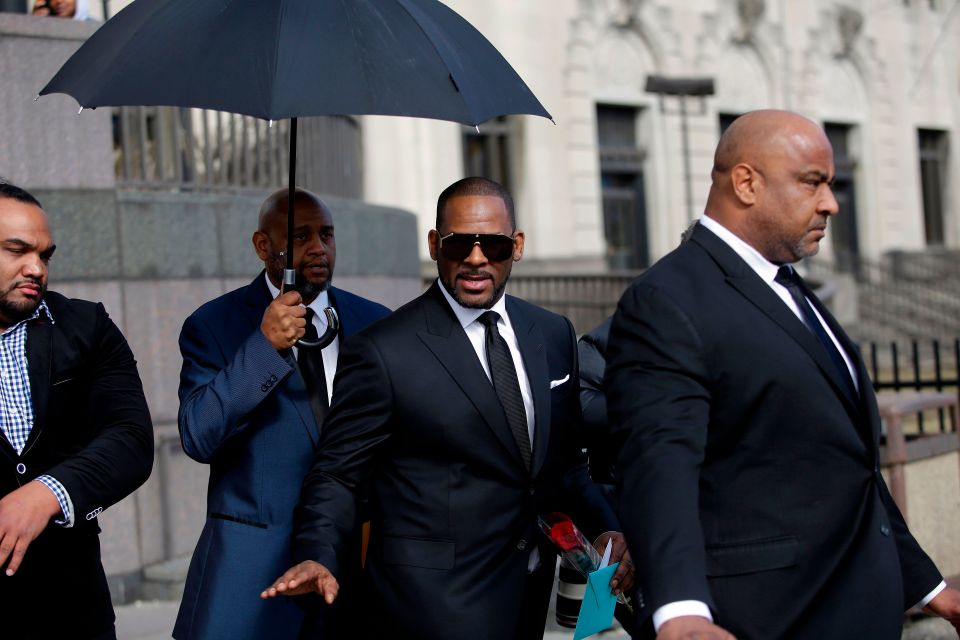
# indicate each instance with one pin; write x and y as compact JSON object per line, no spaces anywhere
{"x":466,"y":104}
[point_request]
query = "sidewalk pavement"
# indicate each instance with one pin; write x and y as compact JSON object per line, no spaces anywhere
{"x":154,"y":621}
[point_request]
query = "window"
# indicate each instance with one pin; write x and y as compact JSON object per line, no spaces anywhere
{"x":487,"y":153}
{"x":933,"y":152}
{"x":843,"y":229}
{"x":621,"y":183}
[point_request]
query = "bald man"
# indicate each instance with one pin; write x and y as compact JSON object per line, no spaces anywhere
{"x":751,"y":488}
{"x":251,"y":406}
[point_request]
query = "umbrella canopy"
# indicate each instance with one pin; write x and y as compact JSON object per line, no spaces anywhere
{"x":276,"y":59}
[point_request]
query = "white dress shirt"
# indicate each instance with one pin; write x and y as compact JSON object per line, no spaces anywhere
{"x":767,"y":272}
{"x":476,"y":332}
{"x":330,"y":352}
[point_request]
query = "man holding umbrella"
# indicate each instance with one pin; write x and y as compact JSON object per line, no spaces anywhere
{"x":251,"y":406}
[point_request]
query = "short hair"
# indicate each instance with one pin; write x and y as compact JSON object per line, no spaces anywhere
{"x":13,"y":192}
{"x":476,"y":186}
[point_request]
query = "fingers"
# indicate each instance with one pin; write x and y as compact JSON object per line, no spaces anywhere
{"x":6,"y":547}
{"x":284,"y":321}
{"x":623,"y":578}
{"x":290,"y":298}
{"x":306,"y":577}
{"x":18,"y":552}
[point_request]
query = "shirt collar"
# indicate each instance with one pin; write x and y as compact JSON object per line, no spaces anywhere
{"x":763,"y":267}
{"x":321,"y":302}
{"x":467,"y":316}
{"x":41,"y":308}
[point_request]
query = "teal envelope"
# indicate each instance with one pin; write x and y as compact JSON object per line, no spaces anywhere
{"x":596,"y":610}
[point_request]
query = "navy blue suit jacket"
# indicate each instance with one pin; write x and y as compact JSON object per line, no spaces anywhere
{"x":244,"y":411}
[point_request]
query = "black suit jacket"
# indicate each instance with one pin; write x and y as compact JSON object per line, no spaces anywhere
{"x":453,"y":509}
{"x":751,"y":481}
{"x":92,"y":432}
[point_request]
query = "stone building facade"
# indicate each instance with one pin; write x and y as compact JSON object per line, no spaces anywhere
{"x":605,"y":187}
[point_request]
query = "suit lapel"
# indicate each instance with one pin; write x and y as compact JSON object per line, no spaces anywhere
{"x":530,"y":340}
{"x":748,"y":283}
{"x":39,"y":354}
{"x":293,"y":390}
{"x":448,"y":342}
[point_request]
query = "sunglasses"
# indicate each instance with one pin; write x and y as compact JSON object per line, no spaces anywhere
{"x":495,"y":246}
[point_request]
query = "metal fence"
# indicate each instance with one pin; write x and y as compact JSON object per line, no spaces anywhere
{"x":179,"y":148}
{"x":916,"y":366}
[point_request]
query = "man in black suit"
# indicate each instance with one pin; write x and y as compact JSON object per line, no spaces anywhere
{"x":76,"y":437}
{"x":752,"y":493}
{"x":460,"y":412}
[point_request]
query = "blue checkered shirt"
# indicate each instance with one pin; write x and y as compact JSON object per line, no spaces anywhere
{"x":16,"y":406}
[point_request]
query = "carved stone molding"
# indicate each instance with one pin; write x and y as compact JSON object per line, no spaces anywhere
{"x":849,"y":27}
{"x":750,"y":13}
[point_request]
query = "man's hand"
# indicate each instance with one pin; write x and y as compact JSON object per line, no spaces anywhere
{"x":306,"y":577}
{"x":24,"y":514}
{"x":947,"y":606}
{"x":692,"y":628}
{"x":623,"y":578}
{"x":284,"y":321}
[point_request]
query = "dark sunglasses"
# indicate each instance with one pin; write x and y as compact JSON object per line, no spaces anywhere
{"x":495,"y":246}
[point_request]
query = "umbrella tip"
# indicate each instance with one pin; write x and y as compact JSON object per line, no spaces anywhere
{"x":477,"y":127}
{"x":553,"y":121}
{"x":37,"y":98}
{"x":80,"y":111}
{"x":270,"y":124}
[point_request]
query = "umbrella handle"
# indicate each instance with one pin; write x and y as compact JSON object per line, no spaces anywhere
{"x":333,"y":326}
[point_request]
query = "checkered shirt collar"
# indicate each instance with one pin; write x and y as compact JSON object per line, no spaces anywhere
{"x":42,"y":308}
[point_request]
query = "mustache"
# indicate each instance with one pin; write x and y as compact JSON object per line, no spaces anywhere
{"x":472,"y":273}
{"x":36,"y":281}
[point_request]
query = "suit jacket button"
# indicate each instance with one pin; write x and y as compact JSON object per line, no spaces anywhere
{"x":884,"y":529}
{"x":21,"y":468}
{"x":264,"y":388}
{"x":273,"y":378}
{"x":522,"y":544}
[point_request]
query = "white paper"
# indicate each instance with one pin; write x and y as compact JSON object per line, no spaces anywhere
{"x":606,"y":554}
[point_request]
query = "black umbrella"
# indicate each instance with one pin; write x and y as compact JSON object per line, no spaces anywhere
{"x":276,"y":59}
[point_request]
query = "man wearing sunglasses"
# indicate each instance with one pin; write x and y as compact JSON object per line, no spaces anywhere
{"x":461,"y":414}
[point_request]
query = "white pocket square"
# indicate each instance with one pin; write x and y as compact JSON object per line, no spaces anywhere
{"x":556,"y":383}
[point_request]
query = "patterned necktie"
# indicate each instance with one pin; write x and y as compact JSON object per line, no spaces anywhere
{"x":505,"y":383}
{"x":794,"y":285}
{"x":310,"y":363}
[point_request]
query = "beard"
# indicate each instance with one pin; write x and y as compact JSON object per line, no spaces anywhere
{"x":308,"y":290}
{"x":13,"y":311}
{"x":487,"y":303}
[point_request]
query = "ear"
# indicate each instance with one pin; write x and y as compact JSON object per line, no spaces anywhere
{"x":261,"y":244}
{"x":433,"y":244}
{"x":517,"y":246}
{"x":746,"y":183}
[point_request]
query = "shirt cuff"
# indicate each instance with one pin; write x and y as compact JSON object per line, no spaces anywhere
{"x":66,"y":505}
{"x":679,"y":608}
{"x":933,"y":594}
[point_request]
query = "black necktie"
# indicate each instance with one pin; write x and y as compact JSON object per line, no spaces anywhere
{"x":505,"y":383}
{"x":310,"y":362}
{"x":794,"y":284}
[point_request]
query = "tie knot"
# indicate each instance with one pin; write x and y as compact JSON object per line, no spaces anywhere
{"x":310,"y":314}
{"x":788,"y":277}
{"x":489,"y":319}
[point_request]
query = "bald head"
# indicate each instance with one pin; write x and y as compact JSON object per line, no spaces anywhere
{"x":772,"y":172}
{"x":756,"y":135}
{"x":274,"y":208}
